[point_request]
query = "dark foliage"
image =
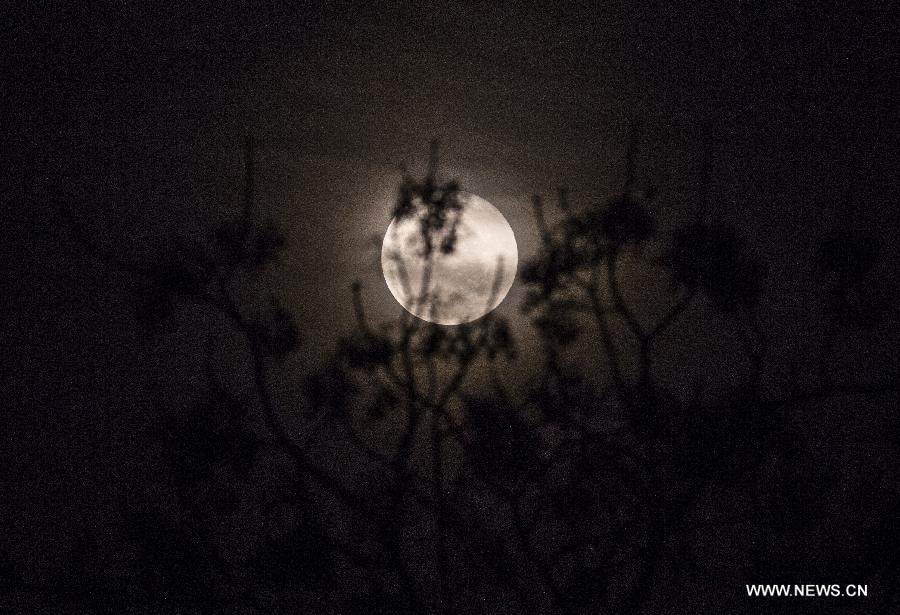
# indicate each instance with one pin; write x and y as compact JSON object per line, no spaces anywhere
{"x":714,"y":258}
{"x":590,"y":488}
{"x":853,"y":294}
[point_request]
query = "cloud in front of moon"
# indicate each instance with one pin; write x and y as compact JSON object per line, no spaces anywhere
{"x":465,"y":284}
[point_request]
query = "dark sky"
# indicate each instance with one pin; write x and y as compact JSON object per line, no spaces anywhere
{"x":134,"y":115}
{"x":790,"y":104}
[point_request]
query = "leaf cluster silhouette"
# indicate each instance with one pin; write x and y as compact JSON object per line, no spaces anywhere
{"x":586,"y":490}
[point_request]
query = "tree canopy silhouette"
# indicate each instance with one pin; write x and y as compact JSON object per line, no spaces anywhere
{"x":404,"y":489}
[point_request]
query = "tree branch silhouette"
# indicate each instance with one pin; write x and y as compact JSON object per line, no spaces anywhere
{"x":586,"y":479}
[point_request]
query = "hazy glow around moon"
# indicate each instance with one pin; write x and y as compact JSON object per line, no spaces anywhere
{"x":465,"y":284}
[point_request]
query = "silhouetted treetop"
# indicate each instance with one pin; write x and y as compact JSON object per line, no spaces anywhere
{"x":716,"y":259}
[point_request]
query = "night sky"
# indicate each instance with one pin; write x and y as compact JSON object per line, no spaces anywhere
{"x":126,"y":122}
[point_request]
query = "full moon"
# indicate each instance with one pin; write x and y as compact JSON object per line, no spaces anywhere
{"x":461,"y":285}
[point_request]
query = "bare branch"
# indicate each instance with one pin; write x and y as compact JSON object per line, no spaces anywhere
{"x":618,"y":299}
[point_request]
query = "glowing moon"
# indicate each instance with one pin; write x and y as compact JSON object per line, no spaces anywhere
{"x":463,"y":285}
